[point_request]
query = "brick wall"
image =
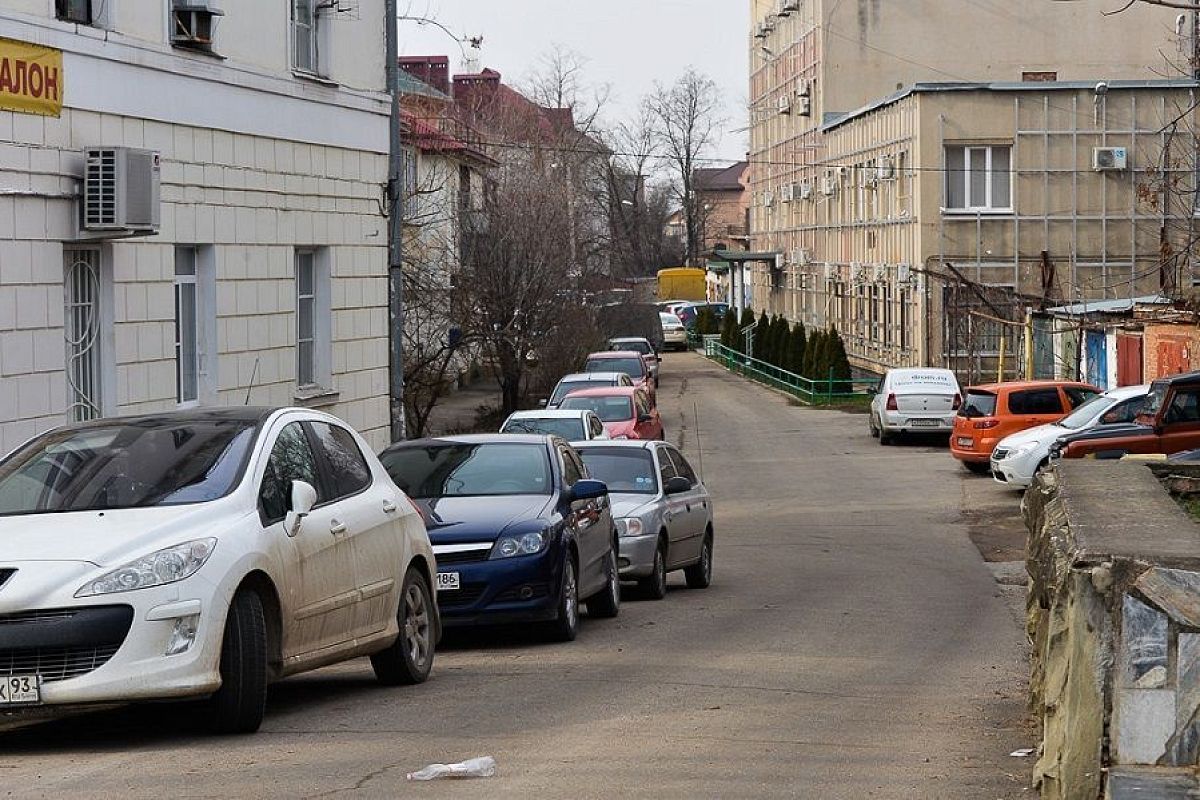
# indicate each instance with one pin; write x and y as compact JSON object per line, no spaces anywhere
{"x":1170,"y":349}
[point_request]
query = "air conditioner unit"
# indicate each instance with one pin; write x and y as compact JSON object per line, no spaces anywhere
{"x":788,"y":193}
{"x":804,"y":88}
{"x":884,"y":169}
{"x":121,"y":188}
{"x":904,"y":273}
{"x":760,"y":31}
{"x":858,"y":272}
{"x":841,"y":172}
{"x":1109,"y":158}
{"x":879,"y":273}
{"x":768,"y":24}
{"x":785,"y":105}
{"x":192,"y":23}
{"x":803,"y":191}
{"x":830,"y":271}
{"x":786,"y":7}
{"x":829,"y":185}
{"x":804,"y":106}
{"x":801,"y":257}
{"x":768,"y":199}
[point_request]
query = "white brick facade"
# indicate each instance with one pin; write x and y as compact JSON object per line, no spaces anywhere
{"x":256,"y":163}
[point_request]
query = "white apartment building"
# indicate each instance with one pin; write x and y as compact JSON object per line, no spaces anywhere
{"x":265,"y":280}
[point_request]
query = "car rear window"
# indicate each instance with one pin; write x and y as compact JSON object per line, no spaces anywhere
{"x":918,"y":382}
{"x":1035,"y":401}
{"x":567,"y":428}
{"x":609,"y":409}
{"x":632,"y":366}
{"x":978,"y":404}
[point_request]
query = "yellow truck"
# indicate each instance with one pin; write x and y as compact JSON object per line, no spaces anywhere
{"x":682,"y":283}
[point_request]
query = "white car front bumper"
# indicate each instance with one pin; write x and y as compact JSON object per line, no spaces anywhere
{"x":1015,"y":471}
{"x":82,"y":652}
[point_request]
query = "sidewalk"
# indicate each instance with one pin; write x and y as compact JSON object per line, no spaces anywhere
{"x":456,"y":413}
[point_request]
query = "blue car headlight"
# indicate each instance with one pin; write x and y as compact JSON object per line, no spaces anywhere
{"x":521,"y":544}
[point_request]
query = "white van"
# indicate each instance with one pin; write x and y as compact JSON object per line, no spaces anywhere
{"x":914,"y":400}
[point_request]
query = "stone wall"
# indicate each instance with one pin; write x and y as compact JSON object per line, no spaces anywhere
{"x":1114,"y":620}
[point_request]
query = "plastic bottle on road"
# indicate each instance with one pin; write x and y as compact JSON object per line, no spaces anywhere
{"x":483,"y":767}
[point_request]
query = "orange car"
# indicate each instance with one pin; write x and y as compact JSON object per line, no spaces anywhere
{"x":994,"y":410}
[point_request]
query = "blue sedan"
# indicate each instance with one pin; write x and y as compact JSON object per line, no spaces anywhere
{"x":520,"y":532}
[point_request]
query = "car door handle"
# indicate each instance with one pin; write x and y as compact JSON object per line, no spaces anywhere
{"x":336,"y":527}
{"x":389,"y":506}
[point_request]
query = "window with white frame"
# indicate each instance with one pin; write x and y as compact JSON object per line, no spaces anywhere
{"x":313,"y":320}
{"x":78,"y":11}
{"x":193,"y":24}
{"x":979,"y":178}
{"x":187,"y":327}
{"x":305,"y":52}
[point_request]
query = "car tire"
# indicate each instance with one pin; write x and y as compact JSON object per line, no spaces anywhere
{"x":699,"y":575}
{"x":885,"y":438}
{"x":239,"y":705}
{"x":606,"y":604}
{"x":409,"y":658}
{"x":977,"y":467}
{"x":871,"y":425}
{"x":655,"y":586}
{"x":566,"y":627}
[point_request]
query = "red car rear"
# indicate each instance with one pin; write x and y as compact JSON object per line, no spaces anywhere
{"x":627,"y":361}
{"x":625,"y":411}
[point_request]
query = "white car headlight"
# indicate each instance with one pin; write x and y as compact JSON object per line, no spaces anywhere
{"x":629,"y":526}
{"x":525,"y":544}
{"x":164,"y":566}
{"x":1022,"y":449}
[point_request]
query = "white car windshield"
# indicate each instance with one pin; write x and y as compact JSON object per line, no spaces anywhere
{"x":1087,"y":412}
{"x":453,"y":469}
{"x":109,"y":466}
{"x":567,"y":428}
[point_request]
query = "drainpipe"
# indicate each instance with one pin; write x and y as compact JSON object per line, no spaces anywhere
{"x":395,"y":229}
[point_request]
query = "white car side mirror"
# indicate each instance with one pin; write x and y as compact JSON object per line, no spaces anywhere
{"x":304,"y":497}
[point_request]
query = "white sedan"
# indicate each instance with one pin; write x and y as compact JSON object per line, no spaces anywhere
{"x":205,"y":553}
{"x":1018,"y":456}
{"x":574,"y":425}
{"x":674,"y":332}
{"x":920,"y":400}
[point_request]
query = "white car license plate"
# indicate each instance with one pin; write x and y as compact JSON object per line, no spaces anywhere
{"x":447,"y":581}
{"x":923,"y":423}
{"x":964,"y":441}
{"x":20,"y":690}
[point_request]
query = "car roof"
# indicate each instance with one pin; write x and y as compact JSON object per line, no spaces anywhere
{"x":614,"y":354}
{"x":1181,"y":378}
{"x":916,"y":370}
{"x":251,"y":415}
{"x":628,"y":339}
{"x":551,"y":413}
{"x":1009,"y":386}
{"x":627,"y":444}
{"x":1126,"y":392}
{"x":591,"y":376}
{"x":478,"y":438}
{"x":610,"y":391}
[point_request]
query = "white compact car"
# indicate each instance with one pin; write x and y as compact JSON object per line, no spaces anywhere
{"x":914,"y":400}
{"x":205,"y":553}
{"x":1018,"y":456}
{"x":574,"y":425}
{"x":674,"y":331}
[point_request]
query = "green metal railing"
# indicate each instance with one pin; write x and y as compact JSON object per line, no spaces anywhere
{"x":807,"y":390}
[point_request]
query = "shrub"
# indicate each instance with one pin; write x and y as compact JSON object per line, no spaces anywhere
{"x":839,"y":363}
{"x":795,"y":349}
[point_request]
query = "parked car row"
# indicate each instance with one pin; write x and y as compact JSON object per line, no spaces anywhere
{"x":1013,"y":429}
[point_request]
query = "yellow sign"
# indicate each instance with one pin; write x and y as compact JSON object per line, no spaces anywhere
{"x":31,"y":78}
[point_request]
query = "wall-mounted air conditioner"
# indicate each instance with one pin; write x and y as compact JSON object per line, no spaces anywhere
{"x":788,"y":193}
{"x":786,"y":7}
{"x":830,"y":271}
{"x":768,"y":24}
{"x":858,"y":272}
{"x":879,"y":273}
{"x":768,"y":199}
{"x":760,"y":31}
{"x":803,"y":191}
{"x":884,"y":169}
{"x":804,"y":88}
{"x":801,"y":257}
{"x":904,"y":273}
{"x":121,"y":188}
{"x":804,"y":106}
{"x":1109,"y":158}
{"x":829,"y":185}
{"x":785,"y":105}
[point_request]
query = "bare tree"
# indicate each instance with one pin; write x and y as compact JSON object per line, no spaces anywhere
{"x":686,"y":118}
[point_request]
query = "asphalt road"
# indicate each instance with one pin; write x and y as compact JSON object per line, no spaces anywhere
{"x":853,"y":644}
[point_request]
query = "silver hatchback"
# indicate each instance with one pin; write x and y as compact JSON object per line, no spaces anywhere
{"x":664,"y":515}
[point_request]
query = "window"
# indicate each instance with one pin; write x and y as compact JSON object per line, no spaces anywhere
{"x":1035,"y":401}
{"x":304,"y":36}
{"x":79,"y":11}
{"x":979,"y":178}
{"x":666,"y":470}
{"x":1126,"y":411}
{"x":596,"y":425}
{"x":1184,"y":408}
{"x":571,"y":471}
{"x":469,"y":470}
{"x":641,"y":404}
{"x":682,"y":466}
{"x":291,"y":460}
{"x":312,"y":320}
{"x":187,"y":351}
{"x":192,"y":24}
{"x":1077,"y":395}
{"x":87,"y":321}
{"x":348,"y":469}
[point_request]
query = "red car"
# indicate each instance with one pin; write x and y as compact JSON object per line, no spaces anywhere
{"x":627,"y":361}
{"x":625,"y":411}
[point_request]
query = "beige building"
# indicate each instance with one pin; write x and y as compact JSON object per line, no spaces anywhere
{"x":867,"y":181}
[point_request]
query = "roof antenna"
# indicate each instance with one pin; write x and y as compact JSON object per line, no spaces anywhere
{"x":250,"y":388}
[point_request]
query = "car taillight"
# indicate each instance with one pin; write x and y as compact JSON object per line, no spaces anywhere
{"x":957,"y":401}
{"x":891,"y":403}
{"x":984,"y":424}
{"x":417,"y":509}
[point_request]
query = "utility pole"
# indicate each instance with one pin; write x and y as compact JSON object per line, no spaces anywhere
{"x":395,"y":196}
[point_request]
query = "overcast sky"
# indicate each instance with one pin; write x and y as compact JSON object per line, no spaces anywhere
{"x":628,"y":44}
